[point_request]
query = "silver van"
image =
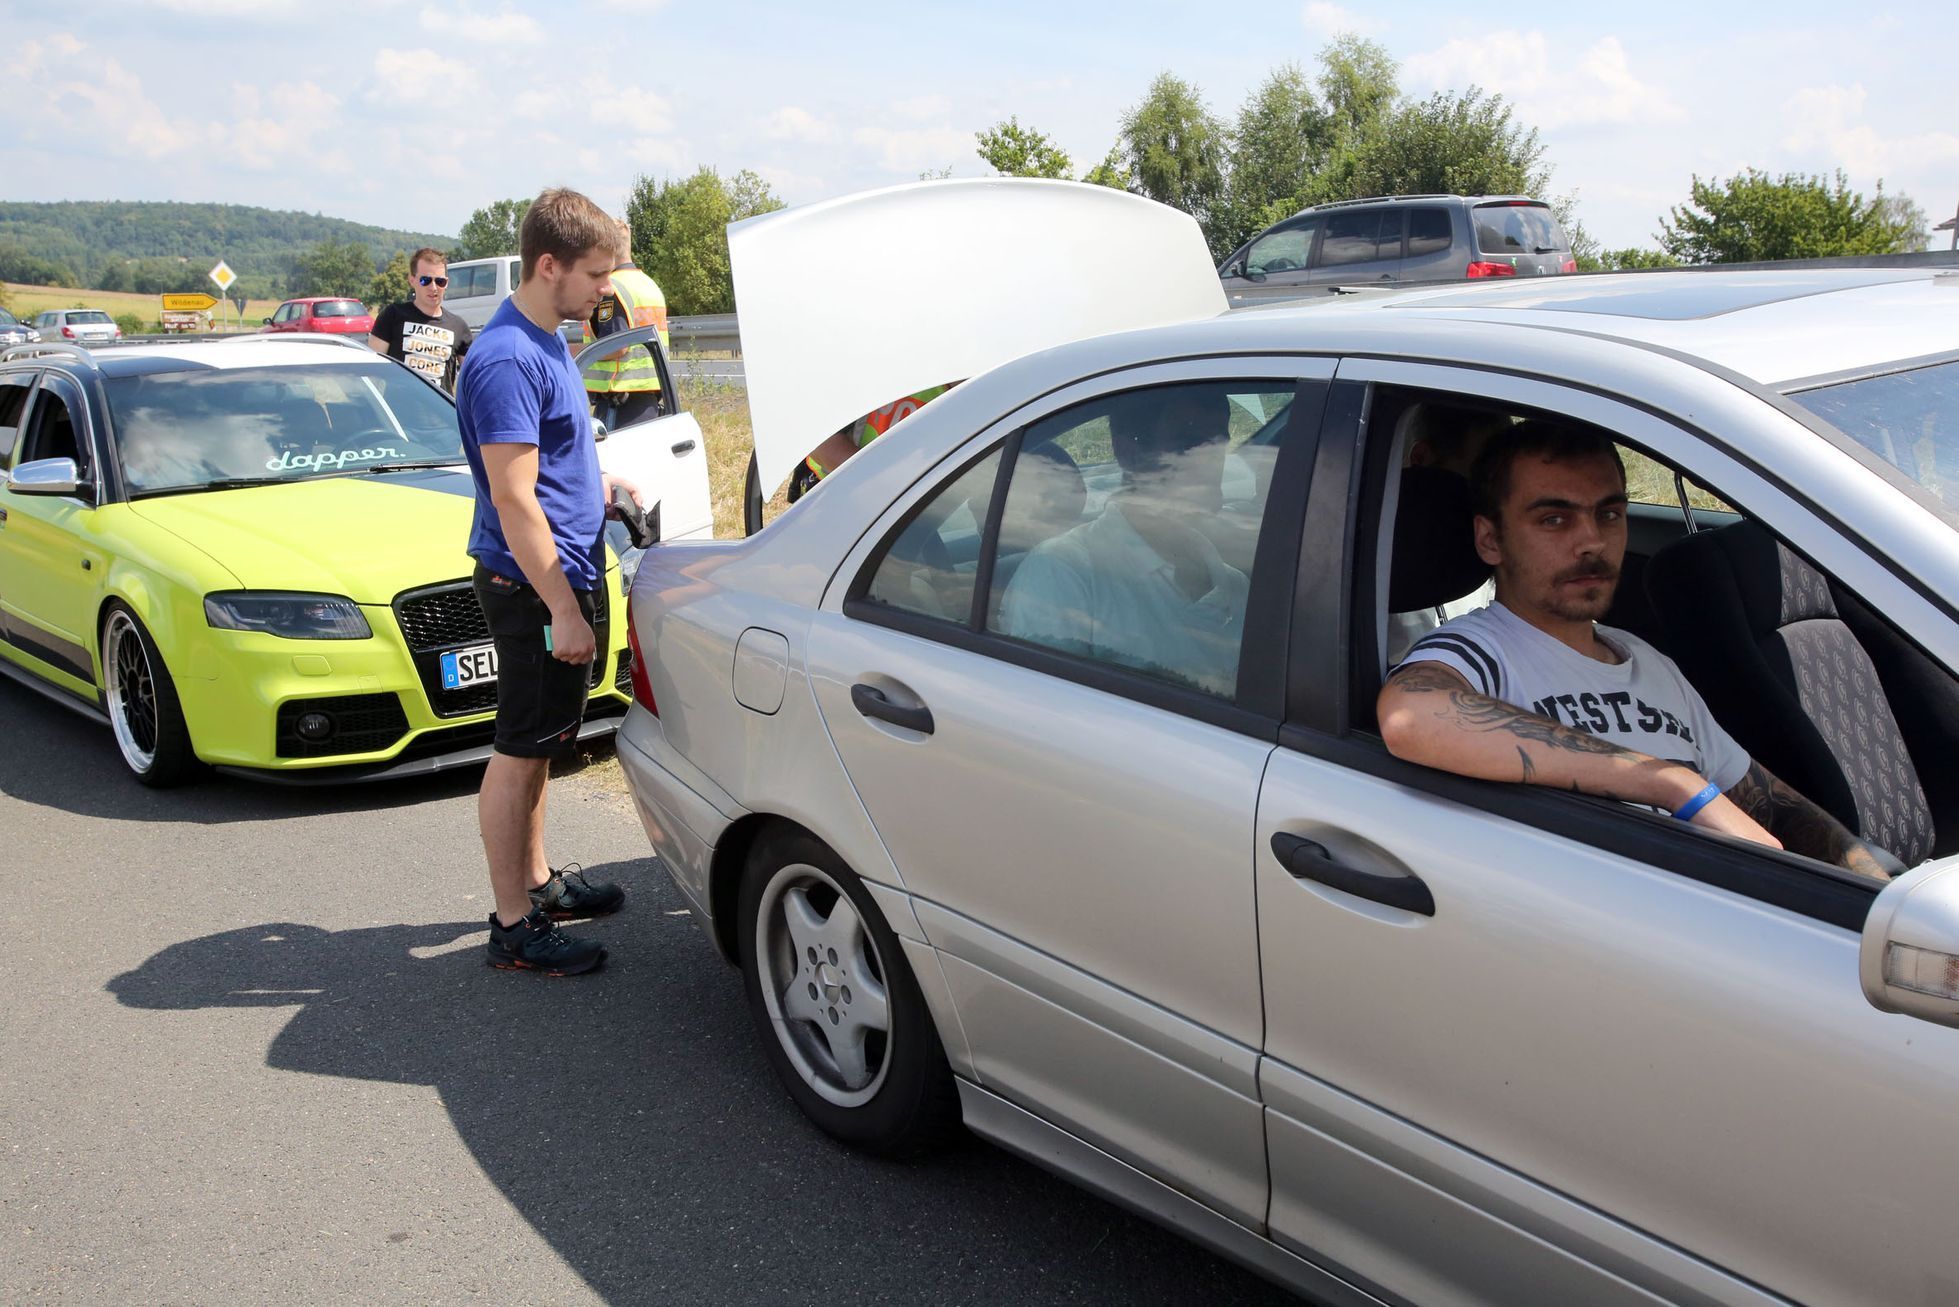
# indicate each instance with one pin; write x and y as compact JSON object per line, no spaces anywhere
{"x":1398,"y":238}
{"x":477,"y":286}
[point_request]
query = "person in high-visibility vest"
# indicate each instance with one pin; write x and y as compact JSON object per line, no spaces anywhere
{"x":625,"y":387}
{"x":832,"y":453}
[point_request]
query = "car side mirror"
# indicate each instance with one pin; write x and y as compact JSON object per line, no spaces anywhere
{"x":58,"y":477}
{"x":266,"y":321}
{"x":1909,"y":958}
{"x":599,"y":430}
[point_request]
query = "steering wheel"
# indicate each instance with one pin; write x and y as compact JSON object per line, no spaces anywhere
{"x":1280,"y":265}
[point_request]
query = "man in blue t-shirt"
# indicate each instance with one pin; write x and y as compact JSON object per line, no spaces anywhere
{"x":541,"y":503}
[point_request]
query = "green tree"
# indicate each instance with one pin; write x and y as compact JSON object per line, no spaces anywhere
{"x":680,"y":234}
{"x":1109,"y":172}
{"x":1281,"y":141}
{"x":1015,"y":151}
{"x":1359,"y":85}
{"x":1176,"y":152}
{"x":1451,"y":143}
{"x":335,"y":268}
{"x":1632,"y":258}
{"x":1753,"y":216}
{"x":391,"y":285}
{"x":491,"y":230}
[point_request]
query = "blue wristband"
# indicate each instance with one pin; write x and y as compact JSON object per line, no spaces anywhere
{"x":1686,"y":811}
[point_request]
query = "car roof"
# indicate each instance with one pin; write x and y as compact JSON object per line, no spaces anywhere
{"x":240,"y":352}
{"x":1774,"y":327}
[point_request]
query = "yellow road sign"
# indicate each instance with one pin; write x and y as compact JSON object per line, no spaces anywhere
{"x":223,"y":275}
{"x":195,"y":302}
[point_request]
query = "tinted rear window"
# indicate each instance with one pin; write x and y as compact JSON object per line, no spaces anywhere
{"x":338,"y":309}
{"x":88,"y":315}
{"x":1908,"y":419}
{"x":1518,"y":229}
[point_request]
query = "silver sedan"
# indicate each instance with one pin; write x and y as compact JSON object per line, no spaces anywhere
{"x":1028,"y":771}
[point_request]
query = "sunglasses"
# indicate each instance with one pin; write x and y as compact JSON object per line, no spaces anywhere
{"x":433,"y":281}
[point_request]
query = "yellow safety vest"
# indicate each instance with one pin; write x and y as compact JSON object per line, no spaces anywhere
{"x":637,"y":300}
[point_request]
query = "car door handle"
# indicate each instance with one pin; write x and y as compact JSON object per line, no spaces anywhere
{"x":1310,"y":860}
{"x":870,"y":701}
{"x":684,"y":447}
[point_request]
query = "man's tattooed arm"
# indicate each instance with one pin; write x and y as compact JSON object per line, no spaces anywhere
{"x":1494,"y":740}
{"x":1802,"y":826}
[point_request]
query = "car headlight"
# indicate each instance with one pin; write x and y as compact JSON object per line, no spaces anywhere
{"x":292,"y":616}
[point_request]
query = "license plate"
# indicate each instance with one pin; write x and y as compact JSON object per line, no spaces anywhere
{"x":466,"y":667}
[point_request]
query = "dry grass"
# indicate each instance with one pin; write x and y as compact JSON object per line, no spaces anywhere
{"x":26,"y":301}
{"x":1648,"y":482}
{"x":722,"y":411}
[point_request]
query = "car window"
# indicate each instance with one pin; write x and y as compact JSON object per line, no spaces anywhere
{"x":1517,"y":229}
{"x":931,"y":568}
{"x":338,"y":309}
{"x":1428,"y":231}
{"x":184,"y":430}
{"x":516,"y":273}
{"x":1360,"y":236}
{"x":1284,"y":250}
{"x":14,"y":388}
{"x":1130,"y":527}
{"x":470,"y":281}
{"x":1651,"y":482}
{"x":1909,"y":419}
{"x":88,"y":315}
{"x":53,"y":431}
{"x":7,"y":319}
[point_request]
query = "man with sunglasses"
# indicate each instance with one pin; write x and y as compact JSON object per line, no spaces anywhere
{"x":419,"y":331}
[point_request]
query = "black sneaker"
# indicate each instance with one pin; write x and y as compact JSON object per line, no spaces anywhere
{"x":534,"y":944}
{"x":568,"y":894}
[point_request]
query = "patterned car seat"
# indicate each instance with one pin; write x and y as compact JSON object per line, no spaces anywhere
{"x":1758,"y":632}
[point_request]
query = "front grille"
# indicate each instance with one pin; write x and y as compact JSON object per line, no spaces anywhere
{"x":444,"y":617}
{"x":622,"y":680}
{"x":362,"y":723}
{"x":441,"y":617}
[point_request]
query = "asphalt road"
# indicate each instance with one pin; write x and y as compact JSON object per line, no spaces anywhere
{"x":252,"y":1055}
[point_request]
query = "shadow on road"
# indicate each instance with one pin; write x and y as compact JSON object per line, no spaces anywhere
{"x":71,"y":764}
{"x":631,"y":1118}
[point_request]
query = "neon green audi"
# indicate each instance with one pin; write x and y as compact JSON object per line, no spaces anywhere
{"x":249,"y":555}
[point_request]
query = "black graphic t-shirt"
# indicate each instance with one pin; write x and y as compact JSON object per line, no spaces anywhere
{"x":1641,"y":703}
{"x":433,"y":346}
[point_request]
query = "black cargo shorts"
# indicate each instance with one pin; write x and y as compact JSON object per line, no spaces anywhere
{"x":540,"y":699}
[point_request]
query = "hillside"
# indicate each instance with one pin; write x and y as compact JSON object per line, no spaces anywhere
{"x":96,"y":242}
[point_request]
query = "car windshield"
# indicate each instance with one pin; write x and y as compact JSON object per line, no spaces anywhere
{"x":338,"y":309}
{"x":1517,"y":229}
{"x":88,"y":315}
{"x":7,"y":319}
{"x":186,"y":430}
{"x":1909,"y":419}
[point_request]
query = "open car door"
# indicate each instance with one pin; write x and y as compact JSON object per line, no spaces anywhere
{"x":664,"y":454}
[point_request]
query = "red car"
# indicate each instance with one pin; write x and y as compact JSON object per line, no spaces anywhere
{"x":335,"y":313}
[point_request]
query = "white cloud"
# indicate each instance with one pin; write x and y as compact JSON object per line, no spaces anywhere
{"x":1829,"y":121}
{"x":506,"y":28}
{"x":791,"y":123}
{"x":422,"y":75}
{"x":1330,"y":20}
{"x":1548,"y":88}
{"x":920,"y":107}
{"x":912,"y":150}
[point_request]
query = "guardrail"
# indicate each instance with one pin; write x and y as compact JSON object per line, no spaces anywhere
{"x":707,"y":332}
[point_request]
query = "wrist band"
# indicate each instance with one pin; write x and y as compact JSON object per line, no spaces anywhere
{"x":1686,"y":811}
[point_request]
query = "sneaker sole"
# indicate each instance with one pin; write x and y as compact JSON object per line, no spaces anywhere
{"x":518,"y":964}
{"x":568,"y":914}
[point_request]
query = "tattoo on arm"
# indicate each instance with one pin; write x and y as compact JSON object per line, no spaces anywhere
{"x":1482,"y":714}
{"x":1801,"y":826}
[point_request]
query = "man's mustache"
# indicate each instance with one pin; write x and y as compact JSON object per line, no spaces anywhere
{"x":1586,"y":571}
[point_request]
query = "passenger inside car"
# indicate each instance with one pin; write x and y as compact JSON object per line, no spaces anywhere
{"x":1141,"y":584}
{"x":1533,"y":689}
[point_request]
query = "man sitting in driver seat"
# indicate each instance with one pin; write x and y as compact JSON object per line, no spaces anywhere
{"x":1532,"y":689}
{"x":1141,"y":584}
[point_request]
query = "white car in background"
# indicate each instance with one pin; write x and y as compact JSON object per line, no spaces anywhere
{"x":1171,"y":920}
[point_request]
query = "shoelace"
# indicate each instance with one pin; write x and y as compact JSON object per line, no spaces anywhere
{"x":570,"y":870}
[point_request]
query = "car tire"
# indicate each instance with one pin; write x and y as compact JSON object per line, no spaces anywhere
{"x":141,"y":700}
{"x":838,"y":1008}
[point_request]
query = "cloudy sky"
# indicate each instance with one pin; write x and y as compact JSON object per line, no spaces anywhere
{"x":413,"y":114}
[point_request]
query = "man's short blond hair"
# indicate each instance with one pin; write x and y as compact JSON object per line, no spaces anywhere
{"x":565,"y":225}
{"x":622,"y":248}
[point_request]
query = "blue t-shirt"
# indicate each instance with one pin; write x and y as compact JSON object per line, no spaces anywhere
{"x":518,"y":386}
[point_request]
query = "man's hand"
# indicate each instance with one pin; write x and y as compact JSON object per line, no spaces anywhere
{"x":608,"y":483}
{"x":572,"y":639}
{"x":1803,"y":827}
